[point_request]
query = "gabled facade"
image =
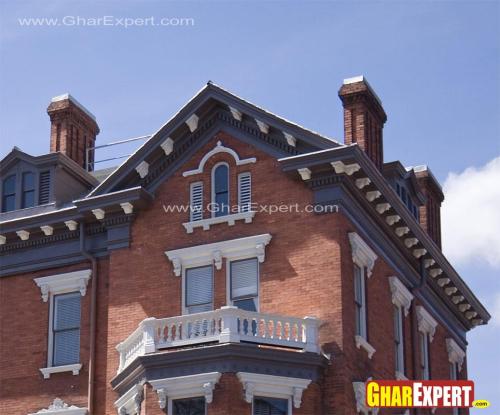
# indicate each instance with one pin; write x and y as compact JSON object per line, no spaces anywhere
{"x":236,"y":263}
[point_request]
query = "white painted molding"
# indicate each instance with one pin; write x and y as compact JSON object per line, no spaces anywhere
{"x":426,"y":323}
{"x":450,"y":290}
{"x":361,"y":342}
{"x":429,"y":262}
{"x":360,"y":396}
{"x":237,"y":115}
{"x":434,"y":272}
{"x":219,"y":148}
{"x":263,"y":127}
{"x":71,"y":224}
{"x":470,"y":314}
{"x":142,"y":169}
{"x":443,"y":281}
{"x":99,"y":213}
{"x":305,"y":173}
{"x":417,"y":253}
{"x":130,"y":402}
{"x":63,"y":283}
{"x":409,"y":242}
{"x":167,"y":146}
{"x":464,"y":307}
{"x":392,"y":219}
{"x":373,"y":195}
{"x":59,"y":407}
{"x":290,"y":139}
{"x":47,"y":230}
{"x":382,"y":207}
{"x":24,"y":235}
{"x":185,"y":387}
{"x":457,"y":299}
{"x":192,"y":122}
{"x":348,"y":169}
{"x":3,"y":239}
{"x":251,"y":246}
{"x":229,"y":219}
{"x":401,"y":296}
{"x":127,"y":207}
{"x":74,"y":368}
{"x":455,"y":353}
{"x":362,"y":254}
{"x":283,"y":387}
{"x":402,"y":230}
{"x":363,"y":182}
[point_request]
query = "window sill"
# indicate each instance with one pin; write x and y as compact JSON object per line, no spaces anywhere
{"x":363,"y":343}
{"x":400,"y":376}
{"x":229,"y":219}
{"x":47,"y":371}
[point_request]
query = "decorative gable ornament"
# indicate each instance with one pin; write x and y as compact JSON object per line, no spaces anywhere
{"x":59,"y":407}
{"x":362,"y":254}
{"x":401,"y":296}
{"x":219,"y":148}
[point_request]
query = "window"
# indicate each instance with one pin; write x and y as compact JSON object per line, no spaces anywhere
{"x":9,"y":194}
{"x":360,"y":301}
{"x":399,"y":340}
{"x":199,"y":289}
{"x":244,"y":192}
{"x":270,"y":406}
{"x":196,"y":208}
{"x":220,"y":190}
{"x":66,"y":329}
{"x":28,"y":195}
{"x":424,"y":356}
{"x":244,"y":276}
{"x":189,"y":406}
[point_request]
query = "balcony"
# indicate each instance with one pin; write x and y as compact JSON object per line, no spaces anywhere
{"x":225,"y":325}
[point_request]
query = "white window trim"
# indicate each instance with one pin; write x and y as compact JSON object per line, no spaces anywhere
{"x":184,"y":307}
{"x":271,"y":386}
{"x":361,"y":342}
{"x":59,"y":407}
{"x":229,"y":301}
{"x":212,"y":188}
{"x":401,"y":296}
{"x":426,"y":323}
{"x":51,"y":286}
{"x":230,"y":219}
{"x":456,"y":354}
{"x":182,"y":387}
{"x":219,"y":148}
{"x":251,"y":246}
{"x":362,"y":254}
{"x":130,"y":402}
{"x":360,"y":397}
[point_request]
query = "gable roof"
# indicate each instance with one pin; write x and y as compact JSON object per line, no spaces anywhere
{"x":200,"y":105}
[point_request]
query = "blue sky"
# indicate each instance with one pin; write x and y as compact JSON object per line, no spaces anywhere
{"x":435,"y":66}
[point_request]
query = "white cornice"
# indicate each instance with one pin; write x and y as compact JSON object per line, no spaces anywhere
{"x":362,"y":254}
{"x":426,"y":323}
{"x":59,"y":407}
{"x":273,"y":386}
{"x":219,"y":148}
{"x":185,"y":386}
{"x":251,"y":246}
{"x":63,"y":283}
{"x":401,"y":296}
{"x":455,"y":353}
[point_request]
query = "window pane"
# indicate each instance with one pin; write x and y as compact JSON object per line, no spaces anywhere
{"x":244,"y":278}
{"x":358,"y":296}
{"x":191,"y":406}
{"x":221,"y":179}
{"x":28,"y":199}
{"x":9,"y":203}
{"x":67,"y":311}
{"x":9,"y":185}
{"x":270,"y":406}
{"x":248,"y":304}
{"x":28,"y":181}
{"x":199,"y":288}
{"x":222,"y":202}
{"x":66,"y":347}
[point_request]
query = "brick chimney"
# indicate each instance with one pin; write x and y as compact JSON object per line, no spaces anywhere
{"x":430,"y":212}
{"x":364,"y":118}
{"x":73,"y":129}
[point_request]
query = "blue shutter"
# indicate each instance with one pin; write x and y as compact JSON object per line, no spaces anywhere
{"x":199,"y":289}
{"x":66,"y":329}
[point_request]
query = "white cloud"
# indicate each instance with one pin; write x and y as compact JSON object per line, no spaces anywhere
{"x":470,"y":215}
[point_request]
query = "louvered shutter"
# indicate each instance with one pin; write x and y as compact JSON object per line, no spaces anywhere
{"x":44,"y":188}
{"x":196,"y":208}
{"x":66,"y":328}
{"x":199,"y":289}
{"x":244,"y":192}
{"x":244,"y":278}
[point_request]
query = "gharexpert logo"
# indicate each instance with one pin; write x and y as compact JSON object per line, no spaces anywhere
{"x":420,"y":394}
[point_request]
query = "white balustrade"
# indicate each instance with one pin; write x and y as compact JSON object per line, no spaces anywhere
{"x":225,"y":325}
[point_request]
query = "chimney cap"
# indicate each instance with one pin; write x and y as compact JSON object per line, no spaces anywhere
{"x":68,"y":96}
{"x":362,"y":78}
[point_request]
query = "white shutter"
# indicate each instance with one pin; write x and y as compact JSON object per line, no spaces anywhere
{"x":196,"y":206}
{"x":244,"y":278}
{"x":244,"y":192}
{"x":199,"y":289}
{"x":66,"y":329}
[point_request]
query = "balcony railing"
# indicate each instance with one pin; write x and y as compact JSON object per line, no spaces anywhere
{"x":225,"y":325}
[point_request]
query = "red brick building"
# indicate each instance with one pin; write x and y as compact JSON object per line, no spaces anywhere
{"x":236,"y":263}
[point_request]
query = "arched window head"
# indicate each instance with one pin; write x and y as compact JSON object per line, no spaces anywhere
{"x":220,"y":192}
{"x":9,"y":194}
{"x":28,"y":199}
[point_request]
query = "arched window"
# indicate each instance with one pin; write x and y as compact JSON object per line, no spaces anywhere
{"x":9,"y":194}
{"x":220,"y":189}
{"x":28,"y":199}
